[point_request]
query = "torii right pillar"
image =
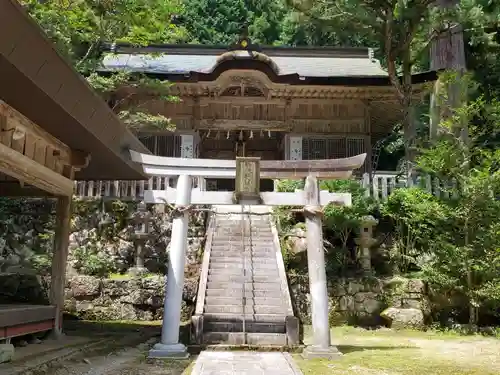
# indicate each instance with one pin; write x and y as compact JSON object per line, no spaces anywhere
{"x":321,"y":347}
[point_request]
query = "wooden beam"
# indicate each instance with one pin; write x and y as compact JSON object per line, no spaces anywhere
{"x":225,"y":124}
{"x":26,"y":170}
{"x":24,"y":136}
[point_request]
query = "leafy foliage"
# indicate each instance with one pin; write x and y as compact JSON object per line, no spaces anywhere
{"x":346,"y":220}
{"x":80,"y":29}
{"x":27,"y":235}
{"x":222,"y":22}
{"x":417,"y":217}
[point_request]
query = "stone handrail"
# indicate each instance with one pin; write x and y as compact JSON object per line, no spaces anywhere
{"x":202,"y":286}
{"x":281,"y":267}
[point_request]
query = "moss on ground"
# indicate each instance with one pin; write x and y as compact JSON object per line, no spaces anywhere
{"x":387,"y":352}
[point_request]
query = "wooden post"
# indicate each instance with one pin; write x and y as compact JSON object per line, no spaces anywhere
{"x":317,"y":275}
{"x":60,"y":257}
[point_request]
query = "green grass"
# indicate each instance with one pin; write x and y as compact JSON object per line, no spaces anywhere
{"x":179,"y":366}
{"x":387,"y":352}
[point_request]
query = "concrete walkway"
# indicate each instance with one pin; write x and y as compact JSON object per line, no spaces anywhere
{"x":245,"y":363}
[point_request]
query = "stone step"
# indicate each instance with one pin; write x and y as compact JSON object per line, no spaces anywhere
{"x":239,"y":338}
{"x":239,"y":252}
{"x":235,"y":309}
{"x":254,"y":255}
{"x":216,"y":264}
{"x":239,"y":242}
{"x":237,"y":260}
{"x":254,"y":233}
{"x":250,"y":300}
{"x":248,"y":285}
{"x":237,"y":231}
{"x":238,"y":293}
{"x":236,"y":222}
{"x":249,"y":272}
{"x":234,"y":250}
{"x":231,"y":229}
{"x":232,"y":318}
{"x":240,"y":278}
{"x":247,"y":237}
{"x":249,"y":327}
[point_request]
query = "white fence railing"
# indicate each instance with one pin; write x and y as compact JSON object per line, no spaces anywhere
{"x":128,"y":190}
{"x":384,"y":183}
{"x":380,"y":187}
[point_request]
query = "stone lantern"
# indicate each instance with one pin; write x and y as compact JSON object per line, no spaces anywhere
{"x":141,"y":220}
{"x":365,"y":241}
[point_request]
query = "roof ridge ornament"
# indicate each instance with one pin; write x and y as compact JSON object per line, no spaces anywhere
{"x":244,"y":43}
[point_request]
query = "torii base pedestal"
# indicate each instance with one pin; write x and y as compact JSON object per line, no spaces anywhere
{"x":311,"y":352}
{"x":165,"y":351}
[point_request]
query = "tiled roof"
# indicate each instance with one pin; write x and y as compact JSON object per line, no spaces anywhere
{"x":314,"y":66}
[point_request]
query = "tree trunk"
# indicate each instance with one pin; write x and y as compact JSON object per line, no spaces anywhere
{"x":448,"y":52}
{"x":409,"y":125}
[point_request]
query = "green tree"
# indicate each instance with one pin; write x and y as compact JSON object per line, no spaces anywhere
{"x":80,"y":28}
{"x":346,"y":220}
{"x":222,"y":21}
{"x":403,"y":30}
{"x":466,"y":257}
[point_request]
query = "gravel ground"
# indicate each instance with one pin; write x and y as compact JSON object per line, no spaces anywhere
{"x":131,"y":361}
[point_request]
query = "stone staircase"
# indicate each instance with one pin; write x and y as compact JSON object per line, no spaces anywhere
{"x":243,"y":298}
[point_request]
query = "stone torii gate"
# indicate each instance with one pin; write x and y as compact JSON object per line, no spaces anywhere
{"x":247,"y":172}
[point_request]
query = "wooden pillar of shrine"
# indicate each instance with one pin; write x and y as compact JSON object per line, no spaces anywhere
{"x":60,"y":255}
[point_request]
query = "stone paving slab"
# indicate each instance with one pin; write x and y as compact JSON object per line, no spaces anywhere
{"x":245,"y":363}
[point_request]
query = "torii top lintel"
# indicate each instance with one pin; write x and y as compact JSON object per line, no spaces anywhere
{"x":273,"y":169}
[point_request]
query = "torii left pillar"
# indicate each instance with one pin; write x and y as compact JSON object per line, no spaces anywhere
{"x":169,"y":346}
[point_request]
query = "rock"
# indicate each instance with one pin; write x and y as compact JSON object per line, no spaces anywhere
{"x":400,"y":318}
{"x":296,"y":241}
{"x":346,"y":303}
{"x":354,"y":287}
{"x":371,"y":305}
{"x":22,"y":343}
{"x":84,"y":286}
{"x":6,"y":353}
{"x":415,"y":286}
{"x":35,"y":340}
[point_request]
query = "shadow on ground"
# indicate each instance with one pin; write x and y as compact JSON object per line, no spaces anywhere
{"x":90,"y":328}
{"x":346,"y":349}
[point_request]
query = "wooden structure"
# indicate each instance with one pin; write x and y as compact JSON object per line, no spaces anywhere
{"x":275,"y":103}
{"x":53,"y":129}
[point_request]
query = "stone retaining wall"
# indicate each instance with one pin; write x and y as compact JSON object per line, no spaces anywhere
{"x":352,"y":301}
{"x":124,"y":299}
{"x":360,"y":301}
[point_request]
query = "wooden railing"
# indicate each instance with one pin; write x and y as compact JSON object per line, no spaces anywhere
{"x":380,"y":187}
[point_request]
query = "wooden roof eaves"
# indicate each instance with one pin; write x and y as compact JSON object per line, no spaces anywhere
{"x":291,"y":79}
{"x":67,"y":90}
